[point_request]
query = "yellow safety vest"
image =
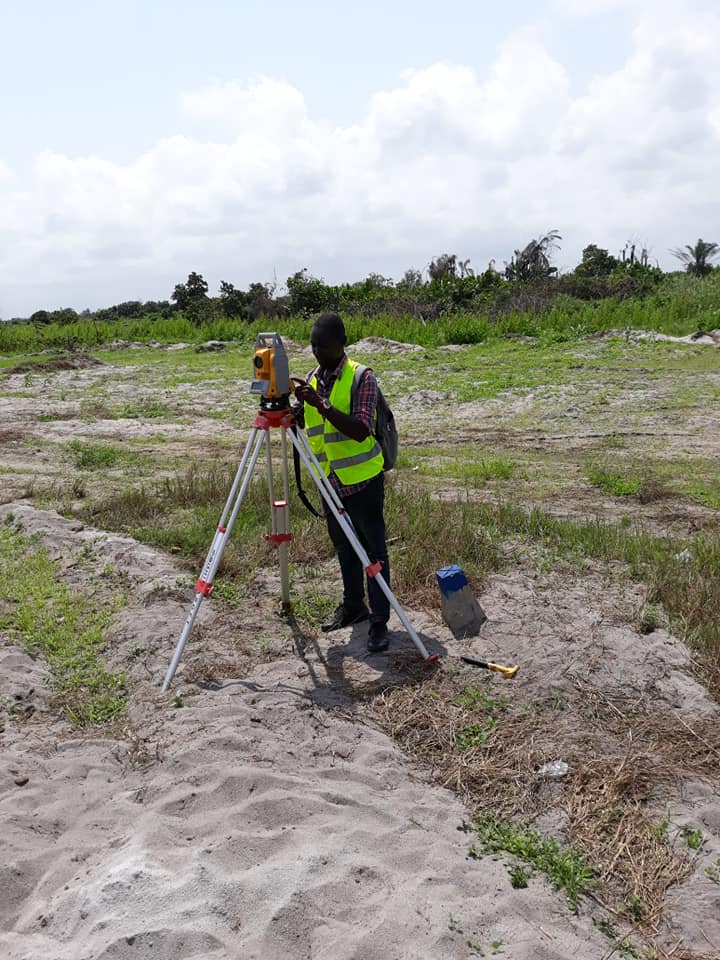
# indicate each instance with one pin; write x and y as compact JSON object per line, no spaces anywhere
{"x":351,"y":461}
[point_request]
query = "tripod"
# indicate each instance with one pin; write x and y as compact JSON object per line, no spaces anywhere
{"x":276,"y":414}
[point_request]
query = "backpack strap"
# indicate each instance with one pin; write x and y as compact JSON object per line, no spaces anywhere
{"x":359,"y":371}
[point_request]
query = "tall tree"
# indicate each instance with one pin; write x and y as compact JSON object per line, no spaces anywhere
{"x":596,"y":262}
{"x":192,"y":291}
{"x":233,"y":301}
{"x":698,"y":259}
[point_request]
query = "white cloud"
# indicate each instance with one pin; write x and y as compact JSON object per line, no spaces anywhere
{"x":449,"y":159}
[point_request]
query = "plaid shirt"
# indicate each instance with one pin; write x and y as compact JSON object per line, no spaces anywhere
{"x":364,"y":401}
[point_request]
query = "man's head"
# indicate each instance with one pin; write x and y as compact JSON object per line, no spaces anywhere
{"x":328,"y":339}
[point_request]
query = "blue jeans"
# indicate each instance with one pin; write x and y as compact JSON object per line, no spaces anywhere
{"x":365,"y":509}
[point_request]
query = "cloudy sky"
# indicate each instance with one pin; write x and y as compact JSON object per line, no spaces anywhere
{"x":145,"y":139}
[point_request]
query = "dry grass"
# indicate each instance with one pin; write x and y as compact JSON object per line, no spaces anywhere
{"x":623,"y":764}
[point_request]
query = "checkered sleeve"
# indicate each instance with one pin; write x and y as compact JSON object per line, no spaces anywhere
{"x":365,"y":399}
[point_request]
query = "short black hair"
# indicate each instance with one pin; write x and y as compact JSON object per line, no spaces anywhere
{"x":329,"y":326}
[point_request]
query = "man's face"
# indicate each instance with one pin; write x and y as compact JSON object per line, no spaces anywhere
{"x":328,"y":350}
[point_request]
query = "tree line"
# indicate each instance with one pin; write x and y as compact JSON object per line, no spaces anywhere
{"x":528,"y":281}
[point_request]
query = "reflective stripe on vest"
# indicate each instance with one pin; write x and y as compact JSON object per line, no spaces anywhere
{"x":351,"y":461}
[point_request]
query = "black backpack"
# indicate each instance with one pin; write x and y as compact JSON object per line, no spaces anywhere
{"x":385,"y":431}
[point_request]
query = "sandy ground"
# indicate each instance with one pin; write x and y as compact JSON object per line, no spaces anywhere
{"x":267,"y":817}
{"x":253,"y":823}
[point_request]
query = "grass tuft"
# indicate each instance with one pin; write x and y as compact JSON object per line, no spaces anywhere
{"x":89,"y":455}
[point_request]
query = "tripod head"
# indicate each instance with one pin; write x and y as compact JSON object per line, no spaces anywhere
{"x":272,"y":382}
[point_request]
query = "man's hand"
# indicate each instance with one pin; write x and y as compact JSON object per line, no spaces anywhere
{"x":307,"y":394}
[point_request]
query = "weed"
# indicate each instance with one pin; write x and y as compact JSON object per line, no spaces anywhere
{"x":634,"y":908}
{"x":661,"y":828}
{"x":564,"y":869}
{"x":265,"y":649}
{"x":473,"y":698}
{"x":713,"y":871}
{"x":624,"y":478}
{"x":649,"y":618}
{"x":693,"y":838}
{"x":475,"y":734}
{"x":518,"y":876}
{"x":605,"y":925}
{"x":454,"y":924}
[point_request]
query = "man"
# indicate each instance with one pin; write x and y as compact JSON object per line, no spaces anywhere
{"x":339,"y":427}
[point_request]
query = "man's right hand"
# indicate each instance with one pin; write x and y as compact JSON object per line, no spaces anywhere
{"x":307,"y":394}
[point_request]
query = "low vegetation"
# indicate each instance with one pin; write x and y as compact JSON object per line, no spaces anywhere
{"x":44,"y":616}
{"x":454,"y":305}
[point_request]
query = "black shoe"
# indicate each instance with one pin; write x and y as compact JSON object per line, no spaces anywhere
{"x":344,"y":618}
{"x":377,"y":638}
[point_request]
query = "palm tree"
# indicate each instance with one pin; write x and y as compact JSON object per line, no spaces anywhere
{"x":533,"y":263}
{"x":697,"y":259}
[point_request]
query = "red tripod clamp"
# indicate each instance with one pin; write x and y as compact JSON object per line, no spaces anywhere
{"x":273,"y":418}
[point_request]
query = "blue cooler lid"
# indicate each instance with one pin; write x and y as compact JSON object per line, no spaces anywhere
{"x":450,"y":579}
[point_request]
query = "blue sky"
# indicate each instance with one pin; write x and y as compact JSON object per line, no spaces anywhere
{"x":144,"y":140}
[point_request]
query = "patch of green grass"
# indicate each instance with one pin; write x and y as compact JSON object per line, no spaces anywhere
{"x":471,"y":470}
{"x":90,"y":455}
{"x":564,"y":869}
{"x":93,"y":455}
{"x":620,"y":477}
{"x":613,"y":483}
{"x":61,"y":625}
{"x":313,"y":606}
{"x":707,"y":492}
